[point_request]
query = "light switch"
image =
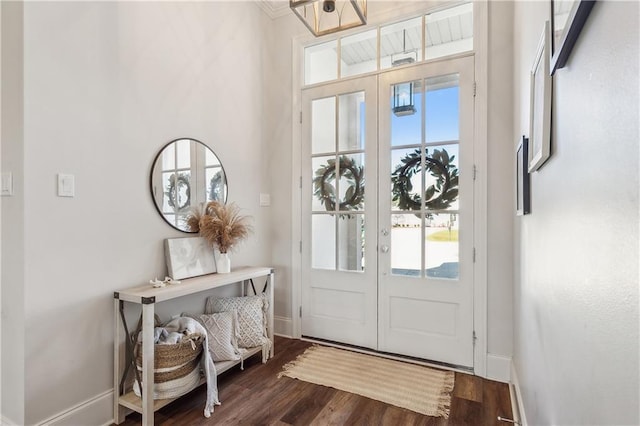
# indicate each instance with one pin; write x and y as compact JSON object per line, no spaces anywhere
{"x":66,"y":185}
{"x":265,"y":200}
{"x":7,"y":184}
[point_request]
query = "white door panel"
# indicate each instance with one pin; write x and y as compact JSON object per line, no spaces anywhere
{"x":425,"y":281}
{"x":339,"y":265}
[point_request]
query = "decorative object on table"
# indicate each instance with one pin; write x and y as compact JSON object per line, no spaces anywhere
{"x":174,"y":186}
{"x":167,"y":280}
{"x":156,"y":283}
{"x":438,"y":196}
{"x":171,"y":281}
{"x":221,"y":226}
{"x":523,"y":197}
{"x":417,"y":388}
{"x":567,"y":19}
{"x":323,"y":17}
{"x":540,"y":104}
{"x":252,"y":319}
{"x":188,"y":257}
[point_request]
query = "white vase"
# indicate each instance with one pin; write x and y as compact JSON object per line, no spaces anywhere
{"x":224,"y":263}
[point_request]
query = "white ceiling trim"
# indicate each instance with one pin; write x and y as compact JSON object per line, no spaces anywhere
{"x":274,"y":8}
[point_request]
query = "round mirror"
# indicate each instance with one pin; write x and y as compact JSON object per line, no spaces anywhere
{"x":186,"y":173}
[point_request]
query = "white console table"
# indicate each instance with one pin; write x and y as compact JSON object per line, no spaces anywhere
{"x":148,"y":296}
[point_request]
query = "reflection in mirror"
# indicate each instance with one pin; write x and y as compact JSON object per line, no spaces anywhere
{"x":186,"y":173}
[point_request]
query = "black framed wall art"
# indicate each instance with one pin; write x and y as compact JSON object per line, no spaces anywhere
{"x":567,"y":19}
{"x":523,"y":186}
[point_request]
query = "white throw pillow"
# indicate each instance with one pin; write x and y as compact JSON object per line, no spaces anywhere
{"x":252,"y":326}
{"x":222,"y":335}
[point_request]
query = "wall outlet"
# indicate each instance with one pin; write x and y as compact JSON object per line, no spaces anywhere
{"x":265,"y":200}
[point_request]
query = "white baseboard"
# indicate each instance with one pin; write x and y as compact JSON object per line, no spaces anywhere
{"x":283,"y":326}
{"x":499,"y":368}
{"x":517,"y":406}
{"x":86,"y":412}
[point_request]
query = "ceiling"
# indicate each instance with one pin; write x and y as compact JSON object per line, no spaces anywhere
{"x":274,"y":8}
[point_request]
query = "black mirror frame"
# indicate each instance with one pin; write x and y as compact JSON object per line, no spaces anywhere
{"x":151,"y":187}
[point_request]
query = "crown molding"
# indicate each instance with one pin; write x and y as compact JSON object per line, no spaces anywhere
{"x":274,"y":8}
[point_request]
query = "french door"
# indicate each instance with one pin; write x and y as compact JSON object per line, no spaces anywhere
{"x":339,"y":211}
{"x":387,"y":212}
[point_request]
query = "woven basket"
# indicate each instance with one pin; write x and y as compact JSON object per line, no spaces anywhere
{"x":173,"y":362}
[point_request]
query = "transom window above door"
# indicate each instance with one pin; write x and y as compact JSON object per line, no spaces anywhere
{"x":434,"y":35}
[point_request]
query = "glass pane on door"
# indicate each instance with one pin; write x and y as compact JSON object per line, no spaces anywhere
{"x":442,"y":108}
{"x":441,"y":177}
{"x":441,"y":245}
{"x":323,"y":177}
{"x":351,"y":242}
{"x":424,"y":174}
{"x":351,"y":184}
{"x":406,"y":244}
{"x":406,"y":113}
{"x":323,"y":237}
{"x":323,"y":125}
{"x":351,"y":119}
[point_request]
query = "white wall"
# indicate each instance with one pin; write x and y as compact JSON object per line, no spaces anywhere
{"x":278,"y":135}
{"x":576,"y":294}
{"x":500,"y":188}
{"x":106,"y":85}
{"x":13,"y":256}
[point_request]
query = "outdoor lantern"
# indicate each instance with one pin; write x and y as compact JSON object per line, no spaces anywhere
{"x":403,"y":92}
{"x":329,"y":16}
{"x":403,"y":99}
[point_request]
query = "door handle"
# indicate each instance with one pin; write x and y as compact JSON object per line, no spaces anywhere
{"x":384,"y":249}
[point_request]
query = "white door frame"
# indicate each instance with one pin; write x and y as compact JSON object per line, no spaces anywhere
{"x":480,"y":132}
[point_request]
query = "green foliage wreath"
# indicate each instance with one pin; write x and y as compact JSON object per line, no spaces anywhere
{"x":177,"y":182}
{"x":216,"y":188}
{"x":438,"y":196}
{"x":324,"y":190}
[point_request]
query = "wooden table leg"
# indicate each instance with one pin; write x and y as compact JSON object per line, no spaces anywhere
{"x":148,"y":325}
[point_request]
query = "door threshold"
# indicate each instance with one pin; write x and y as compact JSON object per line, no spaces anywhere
{"x":395,"y":357}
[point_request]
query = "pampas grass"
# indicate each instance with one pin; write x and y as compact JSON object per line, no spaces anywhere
{"x":220,"y":225}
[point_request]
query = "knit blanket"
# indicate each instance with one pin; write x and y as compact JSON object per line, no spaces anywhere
{"x":189,"y":326}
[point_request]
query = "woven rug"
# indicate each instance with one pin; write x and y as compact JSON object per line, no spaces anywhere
{"x":414,"y":387}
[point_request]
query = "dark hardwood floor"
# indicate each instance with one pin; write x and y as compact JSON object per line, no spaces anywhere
{"x":256,"y":396}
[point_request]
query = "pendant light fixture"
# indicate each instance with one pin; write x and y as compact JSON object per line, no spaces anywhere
{"x":403,"y":103}
{"x":403,"y":99}
{"x":323,"y":17}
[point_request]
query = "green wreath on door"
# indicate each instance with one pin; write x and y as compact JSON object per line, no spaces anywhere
{"x":438,"y":196}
